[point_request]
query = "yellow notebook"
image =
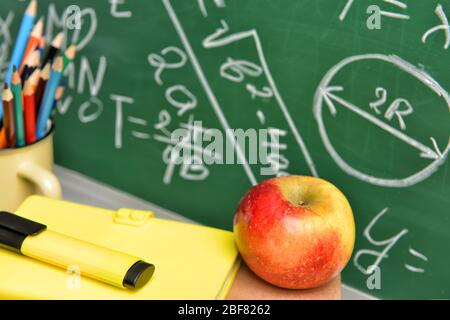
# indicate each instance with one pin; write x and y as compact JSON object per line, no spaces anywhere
{"x":192,"y":261}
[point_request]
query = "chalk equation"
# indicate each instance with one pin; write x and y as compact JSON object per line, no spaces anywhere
{"x":215,"y":67}
{"x":396,"y":9}
{"x":240,"y":71}
{"x":393,"y":121}
{"x":384,"y":247}
{"x":183,"y":102}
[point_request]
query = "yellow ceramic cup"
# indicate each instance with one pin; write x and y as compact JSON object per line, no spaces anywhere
{"x":25,"y":171}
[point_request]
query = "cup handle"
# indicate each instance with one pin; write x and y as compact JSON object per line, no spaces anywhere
{"x":46,"y":181}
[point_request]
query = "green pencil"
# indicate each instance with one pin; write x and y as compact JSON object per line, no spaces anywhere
{"x":16,"y":88}
{"x":69,"y":55}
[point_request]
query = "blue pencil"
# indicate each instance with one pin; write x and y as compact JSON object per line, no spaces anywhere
{"x":49,"y":98}
{"x":21,"y":41}
{"x":22,"y":38}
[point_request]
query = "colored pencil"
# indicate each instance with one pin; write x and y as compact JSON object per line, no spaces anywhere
{"x":69,"y":55}
{"x":29,"y":113}
{"x":43,"y":79}
{"x":21,"y":41}
{"x":8,"y":120}
{"x":3,"y":142}
{"x":33,"y":87}
{"x":54,"y":49}
{"x":60,"y":90}
{"x":33,"y":42}
{"x":16,"y":89}
{"x":59,"y":93}
{"x":42,"y":43}
{"x":49,"y":97}
{"x":22,"y":38}
{"x":34,"y":78}
{"x":32,"y":63}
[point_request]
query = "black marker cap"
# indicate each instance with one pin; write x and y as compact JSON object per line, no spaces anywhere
{"x":15,"y":229}
{"x":138,"y":275}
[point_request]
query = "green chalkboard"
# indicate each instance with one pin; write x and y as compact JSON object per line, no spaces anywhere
{"x":354,"y":99}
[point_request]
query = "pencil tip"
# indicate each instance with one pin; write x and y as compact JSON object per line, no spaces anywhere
{"x":5,"y":86}
{"x":71,"y":51}
{"x":32,"y":8}
{"x":45,"y":73}
{"x":58,"y":40}
{"x":34,"y":77}
{"x":28,"y":88}
{"x":38,"y":28}
{"x":15,"y":79}
{"x":57,"y":65}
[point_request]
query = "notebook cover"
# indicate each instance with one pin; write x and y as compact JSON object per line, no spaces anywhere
{"x":192,"y":261}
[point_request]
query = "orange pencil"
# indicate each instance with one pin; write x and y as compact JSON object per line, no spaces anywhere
{"x":8,"y":118}
{"x":29,"y":113}
{"x":33,"y":42}
{"x":3,"y":143}
{"x":33,"y":61}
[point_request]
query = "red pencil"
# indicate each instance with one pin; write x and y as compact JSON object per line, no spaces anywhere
{"x":29,"y":112}
{"x":3,"y":142}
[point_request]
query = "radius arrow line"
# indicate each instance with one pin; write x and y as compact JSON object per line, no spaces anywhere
{"x":426,"y":152}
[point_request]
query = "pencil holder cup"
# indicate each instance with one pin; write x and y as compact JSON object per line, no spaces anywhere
{"x":27,"y":170}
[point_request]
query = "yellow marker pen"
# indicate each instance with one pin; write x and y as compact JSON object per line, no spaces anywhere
{"x":34,"y":240}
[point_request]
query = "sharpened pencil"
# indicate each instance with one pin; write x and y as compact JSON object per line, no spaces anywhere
{"x":39,"y":94}
{"x":69,"y":55}
{"x":55,"y":46}
{"x":32,"y":63}
{"x":8,"y":119}
{"x":34,"y":78}
{"x":59,"y":93}
{"x":33,"y":42}
{"x":49,"y":98}
{"x":16,"y":89}
{"x":42,"y":43}
{"x":29,"y":113}
{"x":22,"y":38}
{"x":21,"y":42}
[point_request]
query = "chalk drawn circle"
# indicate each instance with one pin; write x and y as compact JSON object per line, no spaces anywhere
{"x":404,"y":66}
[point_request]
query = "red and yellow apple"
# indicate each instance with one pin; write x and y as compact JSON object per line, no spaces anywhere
{"x":295,"y":232}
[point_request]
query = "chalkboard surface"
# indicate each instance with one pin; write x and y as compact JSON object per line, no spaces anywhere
{"x":359,"y":101}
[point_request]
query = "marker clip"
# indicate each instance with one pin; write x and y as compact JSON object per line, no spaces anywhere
{"x":130,"y":217}
{"x":15,"y":229}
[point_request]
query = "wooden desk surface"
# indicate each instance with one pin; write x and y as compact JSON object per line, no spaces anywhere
{"x":248,"y":286}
